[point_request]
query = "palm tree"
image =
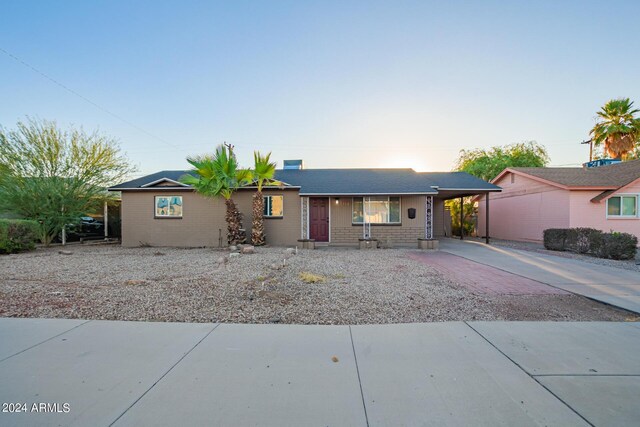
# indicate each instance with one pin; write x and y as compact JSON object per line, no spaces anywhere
{"x":220,"y":176}
{"x":617,"y":128}
{"x":263,"y":172}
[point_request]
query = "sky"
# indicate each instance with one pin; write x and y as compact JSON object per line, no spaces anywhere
{"x":335,"y":83}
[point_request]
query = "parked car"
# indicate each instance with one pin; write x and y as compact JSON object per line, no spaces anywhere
{"x":86,"y":227}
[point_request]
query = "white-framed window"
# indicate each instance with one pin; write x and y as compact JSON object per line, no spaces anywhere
{"x":273,"y":206}
{"x":168,"y":207}
{"x":376,"y":210}
{"x":623,"y":206}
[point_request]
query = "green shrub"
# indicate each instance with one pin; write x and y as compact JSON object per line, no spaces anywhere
{"x":618,"y":246}
{"x":579,"y":239}
{"x":555,"y":239}
{"x":612,"y":245}
{"x":18,"y":235}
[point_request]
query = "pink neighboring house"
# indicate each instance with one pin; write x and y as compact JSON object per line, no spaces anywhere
{"x":534,"y":199}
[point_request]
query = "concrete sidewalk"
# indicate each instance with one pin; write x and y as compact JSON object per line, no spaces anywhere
{"x":451,"y":374}
{"x":611,"y":285}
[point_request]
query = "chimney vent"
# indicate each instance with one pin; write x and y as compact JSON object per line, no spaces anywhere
{"x":293,"y":164}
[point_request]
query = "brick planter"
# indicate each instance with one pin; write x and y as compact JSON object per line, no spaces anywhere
{"x":368,"y":243}
{"x":308,"y":243}
{"x":428,"y":244}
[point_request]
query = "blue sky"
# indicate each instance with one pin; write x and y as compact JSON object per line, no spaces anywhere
{"x":338,"y":84}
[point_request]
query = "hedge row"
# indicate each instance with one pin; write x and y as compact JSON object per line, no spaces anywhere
{"x":18,"y":235}
{"x":612,"y":245}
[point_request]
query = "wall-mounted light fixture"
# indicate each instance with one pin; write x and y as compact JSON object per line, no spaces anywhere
{"x":337,"y":200}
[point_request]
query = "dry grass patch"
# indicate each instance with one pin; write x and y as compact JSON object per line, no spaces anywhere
{"x":307,"y":277}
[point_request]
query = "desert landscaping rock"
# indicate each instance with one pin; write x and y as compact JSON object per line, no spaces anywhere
{"x":187,"y":285}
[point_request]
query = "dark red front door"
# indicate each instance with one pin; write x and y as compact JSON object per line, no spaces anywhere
{"x":319,"y":219}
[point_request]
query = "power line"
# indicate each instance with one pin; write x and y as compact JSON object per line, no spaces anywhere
{"x":84,"y":98}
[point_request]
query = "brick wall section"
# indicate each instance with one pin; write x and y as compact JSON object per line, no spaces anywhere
{"x":202,"y":219}
{"x":343,"y":232}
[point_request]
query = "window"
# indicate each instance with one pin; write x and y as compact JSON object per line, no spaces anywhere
{"x":273,"y":206}
{"x":622,"y":206}
{"x":379,"y":210}
{"x":168,"y":207}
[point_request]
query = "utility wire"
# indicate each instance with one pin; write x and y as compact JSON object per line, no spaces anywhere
{"x":84,"y":98}
{"x":140,"y":129}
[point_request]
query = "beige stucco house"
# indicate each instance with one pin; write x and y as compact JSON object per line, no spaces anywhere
{"x":329,"y":206}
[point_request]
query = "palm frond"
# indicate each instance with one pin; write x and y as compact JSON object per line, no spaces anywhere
{"x":263,"y":169}
{"x":617,"y":128}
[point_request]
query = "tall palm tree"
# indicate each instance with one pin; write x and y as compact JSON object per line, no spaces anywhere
{"x":617,"y":128}
{"x":263,"y":172}
{"x":220,"y":176}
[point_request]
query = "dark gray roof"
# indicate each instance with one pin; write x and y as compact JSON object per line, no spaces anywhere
{"x":140,"y":182}
{"x":352,"y":181}
{"x":458,"y":181}
{"x":356,"y":181}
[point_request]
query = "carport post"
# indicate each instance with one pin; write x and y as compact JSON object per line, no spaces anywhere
{"x":486,"y":219}
{"x":105,"y":220}
{"x":461,"y":218}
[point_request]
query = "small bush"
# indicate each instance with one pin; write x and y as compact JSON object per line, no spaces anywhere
{"x":17,"y":235}
{"x":555,"y":238}
{"x":579,"y":239}
{"x":612,"y":245}
{"x":312,"y":278}
{"x":619,"y":246}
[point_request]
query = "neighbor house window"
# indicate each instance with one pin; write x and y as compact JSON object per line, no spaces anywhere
{"x":168,"y":206}
{"x":273,"y":206}
{"x":622,"y":206}
{"x":376,"y":210}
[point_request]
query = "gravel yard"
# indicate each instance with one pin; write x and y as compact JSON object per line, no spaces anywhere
{"x":328,"y":286}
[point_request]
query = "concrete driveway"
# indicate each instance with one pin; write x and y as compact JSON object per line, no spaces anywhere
{"x":102,"y":373}
{"x":611,"y":285}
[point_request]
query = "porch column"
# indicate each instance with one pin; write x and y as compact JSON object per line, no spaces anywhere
{"x":486,"y":219}
{"x":428,"y":226}
{"x":461,"y":218}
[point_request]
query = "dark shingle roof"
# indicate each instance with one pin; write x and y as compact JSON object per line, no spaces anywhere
{"x":356,"y":181}
{"x":610,"y":176}
{"x":353,"y":181}
{"x":139,"y":182}
{"x":458,"y":181}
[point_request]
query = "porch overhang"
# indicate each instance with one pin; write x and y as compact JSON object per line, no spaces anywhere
{"x":431,"y":193}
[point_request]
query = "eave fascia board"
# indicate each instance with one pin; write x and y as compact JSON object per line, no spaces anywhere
{"x":188,"y":188}
{"x":533,"y":177}
{"x":157,"y":181}
{"x":370,"y":194}
{"x":479,"y":190}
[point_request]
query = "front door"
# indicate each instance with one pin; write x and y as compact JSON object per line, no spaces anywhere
{"x":319,"y":219}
